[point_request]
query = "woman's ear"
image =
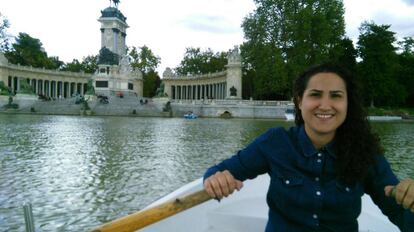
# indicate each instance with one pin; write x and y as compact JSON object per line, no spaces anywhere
{"x":299,"y":102}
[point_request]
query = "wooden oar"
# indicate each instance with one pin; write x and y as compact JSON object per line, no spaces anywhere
{"x":149,"y":216}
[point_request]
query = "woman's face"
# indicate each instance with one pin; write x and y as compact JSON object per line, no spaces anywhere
{"x":323,"y":105}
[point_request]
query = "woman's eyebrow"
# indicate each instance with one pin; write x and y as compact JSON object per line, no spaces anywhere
{"x":337,"y":91}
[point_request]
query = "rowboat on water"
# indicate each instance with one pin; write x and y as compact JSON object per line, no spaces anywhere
{"x":290,"y":114}
{"x":190,"y":115}
{"x":244,"y":211}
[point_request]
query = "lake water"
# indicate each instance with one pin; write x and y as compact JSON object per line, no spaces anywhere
{"x":78,"y":172}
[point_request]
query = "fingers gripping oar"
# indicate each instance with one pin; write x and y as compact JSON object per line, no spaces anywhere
{"x":149,"y":216}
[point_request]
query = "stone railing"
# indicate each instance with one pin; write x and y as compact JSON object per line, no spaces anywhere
{"x":31,"y":69}
{"x":233,"y":102}
{"x":197,"y":76}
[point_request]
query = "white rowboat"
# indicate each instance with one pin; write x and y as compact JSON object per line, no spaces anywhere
{"x":245,"y":211}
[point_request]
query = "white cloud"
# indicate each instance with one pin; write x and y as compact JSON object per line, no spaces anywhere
{"x":391,"y":12}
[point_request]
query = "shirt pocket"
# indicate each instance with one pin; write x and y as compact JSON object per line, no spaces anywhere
{"x":286,"y":189}
{"x":289,"y":179}
{"x":350,"y":190}
{"x":347,"y":200}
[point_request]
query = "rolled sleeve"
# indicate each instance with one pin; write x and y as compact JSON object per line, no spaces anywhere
{"x":379,"y":177}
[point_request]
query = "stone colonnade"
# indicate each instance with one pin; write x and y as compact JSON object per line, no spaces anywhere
{"x":50,"y":83}
{"x":219,"y":85}
{"x":211,"y":86}
{"x":199,"y":91}
{"x":48,"y":87}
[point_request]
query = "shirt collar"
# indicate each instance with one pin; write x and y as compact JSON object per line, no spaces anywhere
{"x":307,"y":147}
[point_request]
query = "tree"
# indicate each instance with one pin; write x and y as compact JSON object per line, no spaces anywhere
{"x":283,"y":38}
{"x":89,"y":64}
{"x":74,"y":66}
{"x":196,"y":61}
{"x":146,"y":61}
{"x":378,"y":65}
{"x":27,"y":51}
{"x":4,"y":35}
{"x":55,"y":63}
{"x":346,"y":54}
{"x":151,"y":82}
{"x":405,"y":73}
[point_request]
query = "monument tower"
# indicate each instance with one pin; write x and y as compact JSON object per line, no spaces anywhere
{"x":115,"y":76}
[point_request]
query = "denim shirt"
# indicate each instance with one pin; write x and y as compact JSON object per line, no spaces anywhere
{"x":304,"y":193}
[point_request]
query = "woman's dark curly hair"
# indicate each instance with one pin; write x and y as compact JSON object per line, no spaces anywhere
{"x":355,"y":144}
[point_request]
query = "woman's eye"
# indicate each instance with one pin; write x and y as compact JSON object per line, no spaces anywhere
{"x":314,"y":94}
{"x":336,"y":95}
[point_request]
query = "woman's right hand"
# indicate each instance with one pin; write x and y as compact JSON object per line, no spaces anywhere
{"x":222,"y":184}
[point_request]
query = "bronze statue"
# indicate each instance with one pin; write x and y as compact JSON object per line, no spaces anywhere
{"x":233,"y":91}
{"x":116,"y":2}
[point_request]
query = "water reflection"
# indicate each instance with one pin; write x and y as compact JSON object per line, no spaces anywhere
{"x":81,"y":171}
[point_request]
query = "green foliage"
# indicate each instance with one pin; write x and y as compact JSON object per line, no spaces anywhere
{"x":74,"y":66}
{"x":151,"y":83}
{"x":4,"y":90}
{"x":377,"y":70}
{"x":283,"y":38}
{"x":28,"y":51}
{"x":196,"y":61}
{"x":405,"y":71}
{"x":346,"y":54}
{"x":144,"y":59}
{"x":54,"y":63}
{"x":89,"y":64}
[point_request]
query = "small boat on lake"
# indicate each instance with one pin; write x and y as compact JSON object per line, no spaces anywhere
{"x":190,"y":115}
{"x":245,"y":211}
{"x":290,"y":114}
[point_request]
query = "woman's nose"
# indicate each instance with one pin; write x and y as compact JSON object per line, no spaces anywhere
{"x":325,"y":103}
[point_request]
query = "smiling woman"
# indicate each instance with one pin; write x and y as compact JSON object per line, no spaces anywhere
{"x":323,"y":106}
{"x":320,"y":168}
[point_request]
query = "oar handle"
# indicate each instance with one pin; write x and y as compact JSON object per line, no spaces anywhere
{"x":149,"y":216}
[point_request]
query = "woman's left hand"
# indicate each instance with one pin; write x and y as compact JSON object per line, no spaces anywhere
{"x":404,"y":193}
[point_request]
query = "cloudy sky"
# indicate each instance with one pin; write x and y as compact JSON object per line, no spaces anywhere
{"x":69,"y":28}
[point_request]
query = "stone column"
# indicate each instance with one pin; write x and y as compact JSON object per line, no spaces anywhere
{"x":49,"y":89}
{"x":18,"y":83}
{"x":39,"y":86}
{"x":70,"y":90}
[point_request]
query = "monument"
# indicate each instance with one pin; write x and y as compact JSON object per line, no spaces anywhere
{"x":115,"y":75}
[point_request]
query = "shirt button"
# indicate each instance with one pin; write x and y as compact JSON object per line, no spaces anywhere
{"x":319,"y":160}
{"x":319,"y":154}
{"x":315,"y":216}
{"x":287,"y":182}
{"x":316,"y":179}
{"x":318,"y":193}
{"x":347,"y":189}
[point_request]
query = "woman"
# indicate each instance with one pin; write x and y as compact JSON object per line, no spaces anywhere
{"x":320,"y":168}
